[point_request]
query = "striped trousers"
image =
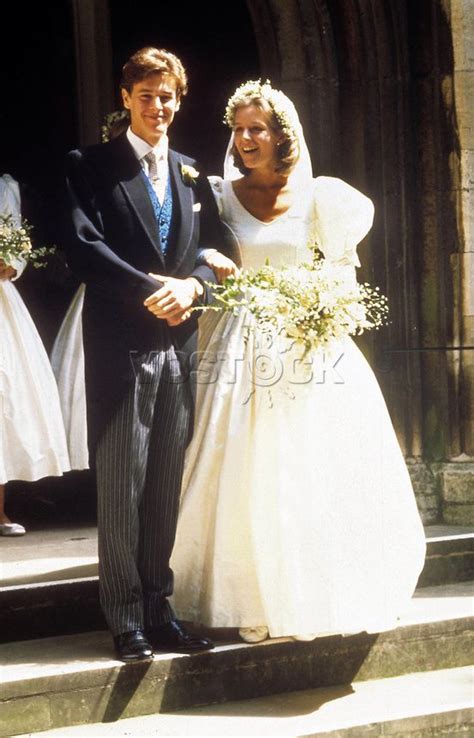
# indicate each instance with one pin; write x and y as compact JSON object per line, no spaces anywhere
{"x":139,"y":463}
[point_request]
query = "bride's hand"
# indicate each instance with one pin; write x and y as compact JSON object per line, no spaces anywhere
{"x":221,"y":265}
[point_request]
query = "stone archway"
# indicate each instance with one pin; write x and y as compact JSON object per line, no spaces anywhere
{"x":374,"y":84}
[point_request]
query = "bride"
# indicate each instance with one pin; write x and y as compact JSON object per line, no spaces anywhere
{"x":297,"y":516}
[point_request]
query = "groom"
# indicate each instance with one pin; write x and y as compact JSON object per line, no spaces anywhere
{"x":137,"y":212}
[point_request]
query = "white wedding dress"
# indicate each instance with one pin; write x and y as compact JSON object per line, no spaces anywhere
{"x":297,"y":509}
{"x":32,"y":439}
{"x":67,"y":362}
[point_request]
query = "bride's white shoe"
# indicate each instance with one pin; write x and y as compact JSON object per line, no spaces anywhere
{"x":305,"y":637}
{"x":254,"y":635}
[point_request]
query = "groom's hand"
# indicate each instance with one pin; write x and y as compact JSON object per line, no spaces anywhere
{"x":173,"y":300}
{"x":6,"y":271}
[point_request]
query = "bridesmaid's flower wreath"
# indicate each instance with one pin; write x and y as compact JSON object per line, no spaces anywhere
{"x":112,"y":120}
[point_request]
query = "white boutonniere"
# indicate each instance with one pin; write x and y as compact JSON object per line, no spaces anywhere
{"x":189,"y":175}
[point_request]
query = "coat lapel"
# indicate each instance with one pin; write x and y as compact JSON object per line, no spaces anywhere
{"x":185,"y":203}
{"x":130,"y":177}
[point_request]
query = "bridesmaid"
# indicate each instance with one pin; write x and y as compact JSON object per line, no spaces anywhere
{"x":33,"y":442}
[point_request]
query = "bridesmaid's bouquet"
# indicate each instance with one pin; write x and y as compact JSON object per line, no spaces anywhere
{"x":15,"y":243}
{"x":312,"y":303}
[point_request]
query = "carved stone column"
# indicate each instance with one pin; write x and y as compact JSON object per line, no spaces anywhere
{"x":457,"y":475}
{"x":93,"y":65}
{"x":462,"y":26}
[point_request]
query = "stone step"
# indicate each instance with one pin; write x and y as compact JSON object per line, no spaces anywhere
{"x":449,"y":555}
{"x":437,"y":703}
{"x":68,"y":680}
{"x":49,"y":579}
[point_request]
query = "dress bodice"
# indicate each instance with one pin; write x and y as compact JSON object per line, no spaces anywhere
{"x":282,"y":241}
{"x":329,"y":212}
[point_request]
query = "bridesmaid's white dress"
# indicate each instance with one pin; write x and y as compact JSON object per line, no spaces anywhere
{"x":32,"y":437}
{"x":297,"y":508}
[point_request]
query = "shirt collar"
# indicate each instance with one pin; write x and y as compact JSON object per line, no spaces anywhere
{"x":142,"y":148}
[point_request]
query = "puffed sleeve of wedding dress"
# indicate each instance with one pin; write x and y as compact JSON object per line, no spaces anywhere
{"x":342,"y":217}
{"x":10,"y":204}
{"x":217,"y":187}
{"x":232,"y":247}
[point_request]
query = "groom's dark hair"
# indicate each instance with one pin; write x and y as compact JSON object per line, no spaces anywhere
{"x":150,"y":60}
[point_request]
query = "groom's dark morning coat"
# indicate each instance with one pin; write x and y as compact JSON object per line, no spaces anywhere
{"x":112,"y":241}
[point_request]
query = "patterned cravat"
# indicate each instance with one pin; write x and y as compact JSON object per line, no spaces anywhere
{"x":150,"y":158}
{"x":157,"y":173}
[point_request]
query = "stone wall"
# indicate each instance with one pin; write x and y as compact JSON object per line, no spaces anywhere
{"x":456,"y":477}
{"x":385,"y":94}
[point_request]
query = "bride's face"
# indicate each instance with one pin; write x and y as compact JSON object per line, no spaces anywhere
{"x":254,"y":138}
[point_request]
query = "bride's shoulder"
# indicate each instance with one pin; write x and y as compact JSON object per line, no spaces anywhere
{"x":9,"y":194}
{"x":218,"y":190}
{"x":216,"y":182}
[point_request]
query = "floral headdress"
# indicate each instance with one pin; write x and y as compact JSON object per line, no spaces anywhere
{"x":281,"y":105}
{"x":112,"y":119}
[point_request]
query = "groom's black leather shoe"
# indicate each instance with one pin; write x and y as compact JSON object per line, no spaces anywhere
{"x":173,"y":637}
{"x":133,"y":646}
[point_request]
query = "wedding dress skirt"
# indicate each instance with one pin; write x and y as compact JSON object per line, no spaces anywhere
{"x":32,"y":443}
{"x":297,"y":509}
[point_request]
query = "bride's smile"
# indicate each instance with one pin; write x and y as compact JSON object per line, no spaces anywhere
{"x":255,"y":139}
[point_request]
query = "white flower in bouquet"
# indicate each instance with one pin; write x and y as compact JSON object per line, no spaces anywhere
{"x":15,"y":243}
{"x":312,"y":303}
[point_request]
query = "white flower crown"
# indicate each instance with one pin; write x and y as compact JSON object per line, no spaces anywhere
{"x":281,"y":105}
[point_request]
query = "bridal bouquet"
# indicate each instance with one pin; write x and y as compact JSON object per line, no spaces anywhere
{"x":311,"y":303}
{"x":15,"y":243}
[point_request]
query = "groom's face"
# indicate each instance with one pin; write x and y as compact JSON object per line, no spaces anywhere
{"x":152,"y":104}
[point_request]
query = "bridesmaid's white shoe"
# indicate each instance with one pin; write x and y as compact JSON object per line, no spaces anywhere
{"x":305,"y":637}
{"x":12,"y":529}
{"x":254,"y":635}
